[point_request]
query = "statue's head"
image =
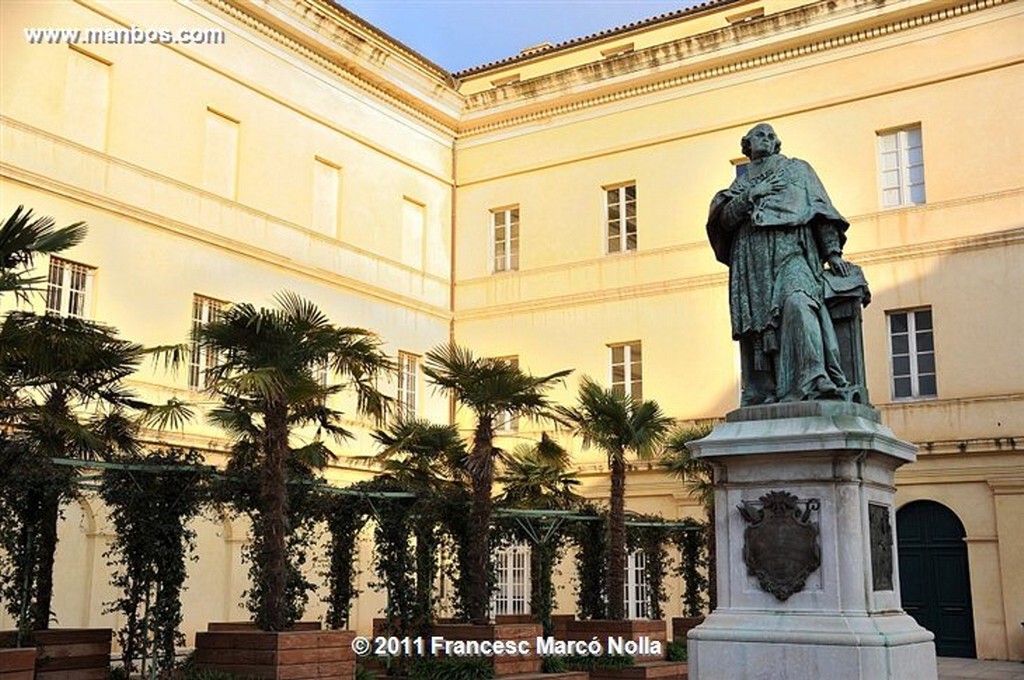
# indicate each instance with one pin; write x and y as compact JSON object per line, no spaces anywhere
{"x":760,"y":141}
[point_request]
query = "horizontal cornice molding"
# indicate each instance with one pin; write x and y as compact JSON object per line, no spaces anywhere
{"x":530,"y":95}
{"x":438,"y":107}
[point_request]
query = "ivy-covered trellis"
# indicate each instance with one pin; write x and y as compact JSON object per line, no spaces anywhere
{"x":151,"y":499}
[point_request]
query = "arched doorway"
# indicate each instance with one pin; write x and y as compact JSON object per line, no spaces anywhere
{"x":935,"y":582}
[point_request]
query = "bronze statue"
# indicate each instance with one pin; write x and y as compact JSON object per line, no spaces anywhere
{"x":775,"y":228}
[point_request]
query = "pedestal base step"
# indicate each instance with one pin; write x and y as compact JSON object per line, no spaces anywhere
{"x":569,"y":675}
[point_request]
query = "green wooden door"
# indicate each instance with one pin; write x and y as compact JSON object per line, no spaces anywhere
{"x":935,"y":583}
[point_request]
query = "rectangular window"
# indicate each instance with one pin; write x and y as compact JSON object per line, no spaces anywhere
{"x":512,"y":580}
{"x":413,"y":223}
{"x":204,"y":310}
{"x":69,"y":288}
{"x":505,"y":235}
{"x":912,"y":352}
{"x":220,"y":155}
{"x":901,"y":167}
{"x":505,"y":423}
{"x":408,"y":376}
{"x":636,"y":585}
{"x":326,"y":186}
{"x":87,"y":99}
{"x":627,"y":369}
{"x":621,"y":218}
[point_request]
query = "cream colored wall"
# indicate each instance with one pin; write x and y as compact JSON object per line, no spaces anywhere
{"x":959,"y":253}
{"x":156,"y":237}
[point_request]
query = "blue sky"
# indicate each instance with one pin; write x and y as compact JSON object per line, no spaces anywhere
{"x":459,"y":34}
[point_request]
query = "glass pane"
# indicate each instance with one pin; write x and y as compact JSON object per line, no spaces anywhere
{"x":515,"y":215}
{"x":618,"y":354}
{"x":917,"y":194}
{"x":927,"y":385}
{"x":631,"y":209}
{"x":614,"y":212}
{"x":925,"y":342}
{"x":887,"y":142}
{"x":515,"y":230}
{"x":630,"y":192}
{"x":635,"y":351}
{"x":923,"y":319}
{"x":926,"y":363}
{"x":631,"y":241}
{"x":637,"y":391}
{"x":618,"y":374}
{"x":898,"y":323}
{"x":514,"y":261}
{"x":499,"y":218}
{"x":613,"y":196}
{"x":901,"y":387}
{"x":613,"y":244}
{"x":900,"y":344}
{"x":901,"y":365}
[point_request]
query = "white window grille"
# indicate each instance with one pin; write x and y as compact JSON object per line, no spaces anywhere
{"x":912,"y":353}
{"x":512,"y":574}
{"x":636,"y":585}
{"x":69,"y":288}
{"x":408,"y":375}
{"x":505,"y":236}
{"x":901,"y":167}
{"x":621,"y":218}
{"x":204,"y":310}
{"x":627,"y":369}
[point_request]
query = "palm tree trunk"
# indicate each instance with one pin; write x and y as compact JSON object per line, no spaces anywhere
{"x":617,"y":540}
{"x":425,"y":561}
{"x":481,"y":470}
{"x":45,"y":550}
{"x":272,"y":612}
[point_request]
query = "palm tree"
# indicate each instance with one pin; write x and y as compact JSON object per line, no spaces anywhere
{"x":492,"y":389}
{"x":65,"y":399}
{"x":424,"y":458}
{"x":697,"y":476}
{"x":618,"y":425}
{"x":536,"y":477}
{"x":22,"y":237}
{"x":268,"y":384}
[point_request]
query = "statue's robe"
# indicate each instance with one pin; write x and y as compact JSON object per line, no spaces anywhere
{"x":774,"y":247}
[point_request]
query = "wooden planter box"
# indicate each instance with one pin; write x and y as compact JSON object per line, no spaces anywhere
{"x":237,"y":626}
{"x":289,"y":655}
{"x":653,"y":670}
{"x":681,"y":625}
{"x":17,"y":663}
{"x":634,"y":630}
{"x":69,"y":653}
{"x":506,"y":632}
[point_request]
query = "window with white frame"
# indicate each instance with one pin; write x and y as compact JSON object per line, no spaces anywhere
{"x":69,"y":288}
{"x":636,"y":597}
{"x":408,"y":375}
{"x":901,"y":167}
{"x":505,"y":423}
{"x":912,"y":353}
{"x":204,"y":310}
{"x":627,"y":369}
{"x":505,"y":236}
{"x":512,"y":580}
{"x":621,"y":218}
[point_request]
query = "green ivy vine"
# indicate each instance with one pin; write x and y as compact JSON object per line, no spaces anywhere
{"x":151,"y":510}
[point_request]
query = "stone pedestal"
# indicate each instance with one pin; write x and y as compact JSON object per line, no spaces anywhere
{"x":836,"y":538}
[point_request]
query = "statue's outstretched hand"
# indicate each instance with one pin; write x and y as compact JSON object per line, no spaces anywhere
{"x":839,"y":265}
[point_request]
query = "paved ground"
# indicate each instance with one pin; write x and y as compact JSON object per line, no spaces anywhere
{"x":974,"y":669}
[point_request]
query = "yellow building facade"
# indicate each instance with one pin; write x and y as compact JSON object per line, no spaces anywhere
{"x":550,"y":207}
